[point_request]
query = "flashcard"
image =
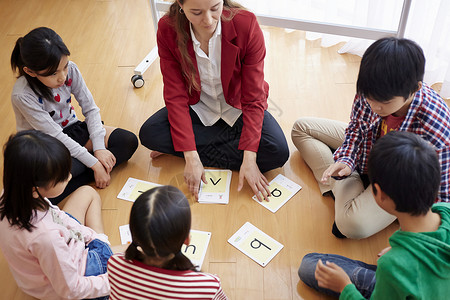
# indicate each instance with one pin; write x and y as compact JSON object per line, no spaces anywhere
{"x":255,"y":244}
{"x":196,"y":250}
{"x":217,"y":189}
{"x":281,"y":190}
{"x":125,"y":234}
{"x":133,"y":188}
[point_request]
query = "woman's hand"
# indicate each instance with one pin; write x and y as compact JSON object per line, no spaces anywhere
{"x":331,"y":276}
{"x":255,"y":179}
{"x":106,"y":158}
{"x":337,"y":169}
{"x":102,"y":177}
{"x":193,"y":172}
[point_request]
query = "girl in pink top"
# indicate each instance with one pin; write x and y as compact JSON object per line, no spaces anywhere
{"x":50,"y":254}
{"x":153,"y":266}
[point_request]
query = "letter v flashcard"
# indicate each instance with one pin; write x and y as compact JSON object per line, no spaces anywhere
{"x":217,"y":188}
{"x":255,"y":244}
{"x":281,"y":190}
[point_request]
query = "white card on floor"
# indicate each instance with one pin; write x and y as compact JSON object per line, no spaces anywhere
{"x":125,"y":234}
{"x":217,"y":189}
{"x":133,"y":188}
{"x":255,"y":244}
{"x":281,"y":190}
{"x":196,"y":250}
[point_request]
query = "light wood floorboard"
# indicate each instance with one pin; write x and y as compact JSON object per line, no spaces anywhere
{"x":107,"y":39}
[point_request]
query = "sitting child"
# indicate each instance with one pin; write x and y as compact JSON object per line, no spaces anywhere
{"x":50,"y":254}
{"x":153,"y":266}
{"x":390,"y":96}
{"x":42,"y":100}
{"x":405,"y":176}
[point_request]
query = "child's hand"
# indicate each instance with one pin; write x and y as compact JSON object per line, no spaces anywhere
{"x":337,"y":169}
{"x":107,"y":159}
{"x":102,"y":177}
{"x":331,"y":276}
{"x":384,"y":251}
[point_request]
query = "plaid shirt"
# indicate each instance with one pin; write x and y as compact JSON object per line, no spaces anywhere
{"x":428,"y":116}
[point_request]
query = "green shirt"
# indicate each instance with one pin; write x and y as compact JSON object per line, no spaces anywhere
{"x":417,"y":266}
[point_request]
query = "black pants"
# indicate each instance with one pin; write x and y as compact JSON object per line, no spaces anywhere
{"x":217,"y":145}
{"x":121,"y":143}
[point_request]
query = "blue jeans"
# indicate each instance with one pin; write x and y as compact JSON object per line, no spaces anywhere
{"x":97,"y":259}
{"x":361,"y":274}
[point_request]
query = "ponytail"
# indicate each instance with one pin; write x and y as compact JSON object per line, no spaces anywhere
{"x":180,"y":262}
{"x":133,"y":252}
{"x":16,"y":60}
{"x":160,"y":222}
{"x":40,"y":50}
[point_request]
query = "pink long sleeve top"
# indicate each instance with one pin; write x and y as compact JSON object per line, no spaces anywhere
{"x":50,"y":261}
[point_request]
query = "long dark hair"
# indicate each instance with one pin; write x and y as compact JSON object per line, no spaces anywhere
{"x":40,"y":50}
{"x":160,"y":222}
{"x":180,"y":23}
{"x":31,"y":159}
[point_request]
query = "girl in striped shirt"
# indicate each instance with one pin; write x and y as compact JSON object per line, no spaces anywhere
{"x":153,"y":266}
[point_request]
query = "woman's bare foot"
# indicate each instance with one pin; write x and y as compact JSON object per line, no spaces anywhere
{"x":155,"y":154}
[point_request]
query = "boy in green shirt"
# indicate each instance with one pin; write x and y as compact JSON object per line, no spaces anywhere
{"x":405,"y":174}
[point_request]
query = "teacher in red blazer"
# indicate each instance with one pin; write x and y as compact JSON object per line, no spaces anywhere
{"x":212,"y":61}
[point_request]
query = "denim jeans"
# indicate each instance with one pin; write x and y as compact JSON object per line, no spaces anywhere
{"x":361,"y":274}
{"x":97,"y":259}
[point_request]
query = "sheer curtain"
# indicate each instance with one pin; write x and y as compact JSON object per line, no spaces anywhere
{"x":428,"y":24}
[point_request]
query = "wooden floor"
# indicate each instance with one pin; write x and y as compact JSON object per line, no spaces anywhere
{"x":107,"y":39}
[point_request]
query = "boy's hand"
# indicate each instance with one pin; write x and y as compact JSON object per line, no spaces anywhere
{"x":384,"y":251}
{"x":337,"y":169}
{"x":331,"y":276}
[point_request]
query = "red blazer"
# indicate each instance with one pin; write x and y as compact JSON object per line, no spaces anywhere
{"x":242,"y":75}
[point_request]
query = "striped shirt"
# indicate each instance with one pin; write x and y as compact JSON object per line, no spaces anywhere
{"x":428,"y":116}
{"x":135,"y":280}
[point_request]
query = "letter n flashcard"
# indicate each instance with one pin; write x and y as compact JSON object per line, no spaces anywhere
{"x":196,"y":250}
{"x":281,"y":190}
{"x":255,"y":244}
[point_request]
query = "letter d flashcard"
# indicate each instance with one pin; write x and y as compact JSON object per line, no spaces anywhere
{"x":281,"y":190}
{"x":255,"y":244}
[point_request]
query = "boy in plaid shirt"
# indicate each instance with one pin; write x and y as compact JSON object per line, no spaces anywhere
{"x":390,"y":97}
